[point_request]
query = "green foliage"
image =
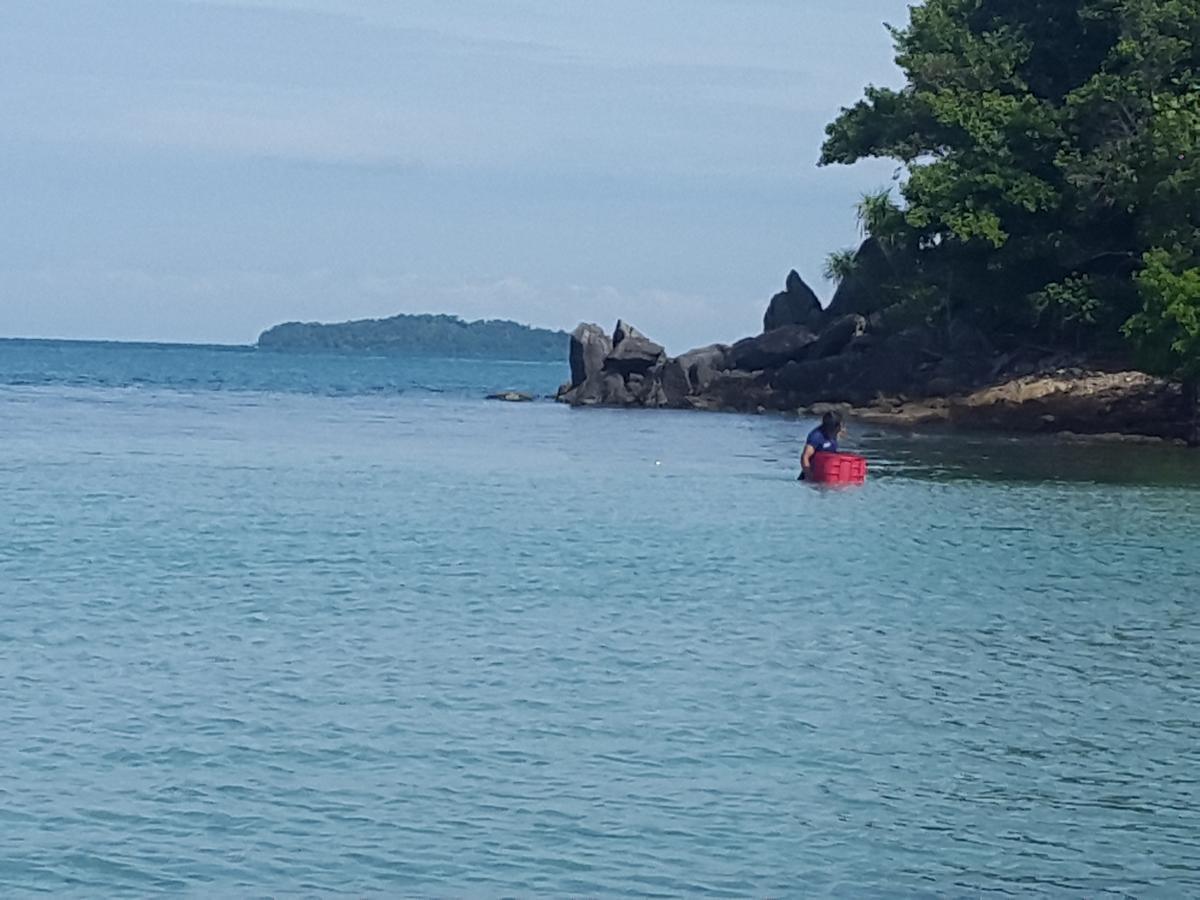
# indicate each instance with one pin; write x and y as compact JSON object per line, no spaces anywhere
{"x":420,"y":335}
{"x":1167,"y":330}
{"x":840,"y":265}
{"x":879,"y":214}
{"x":1072,"y":300}
{"x":1049,"y":147}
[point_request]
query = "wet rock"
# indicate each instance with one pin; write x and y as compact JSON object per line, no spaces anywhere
{"x":511,"y":397}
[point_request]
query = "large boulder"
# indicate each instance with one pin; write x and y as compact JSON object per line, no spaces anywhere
{"x":797,"y":305}
{"x":772,"y":348}
{"x":836,"y":336}
{"x":624,"y":330}
{"x":614,"y":391}
{"x":738,"y":391}
{"x":589,"y":348}
{"x":633,"y":352}
{"x":656,"y":397}
{"x":836,"y":380}
{"x":863,"y":291}
{"x":871,"y":366}
{"x":704,"y":364}
{"x":675,"y":383}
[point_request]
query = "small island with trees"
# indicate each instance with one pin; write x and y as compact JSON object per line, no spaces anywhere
{"x":420,"y":335}
{"x":1037,"y":266}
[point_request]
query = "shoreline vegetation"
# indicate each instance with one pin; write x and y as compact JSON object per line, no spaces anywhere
{"x":909,"y":378}
{"x":1035,"y":268}
{"x":420,"y":335}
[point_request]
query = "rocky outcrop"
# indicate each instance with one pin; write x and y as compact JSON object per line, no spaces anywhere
{"x":589,"y":348}
{"x":837,"y":336}
{"x":624,"y":370}
{"x":863,"y":291}
{"x":1075,"y":400}
{"x":704,"y":364}
{"x":772,"y":348}
{"x":914,"y":375}
{"x":633,"y":353}
{"x":1126,"y":406}
{"x":796,"y":305}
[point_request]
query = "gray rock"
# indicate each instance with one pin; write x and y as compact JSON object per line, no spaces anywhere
{"x":809,"y":381}
{"x":511,"y":397}
{"x":835,"y":337}
{"x":675,"y":383}
{"x":614,"y":391}
{"x":772,"y":349}
{"x":624,"y":330}
{"x":640,"y":385}
{"x":869,"y":367}
{"x":741,"y":391}
{"x":589,"y":393}
{"x":656,"y":398}
{"x":704,"y":364}
{"x":589,"y":348}
{"x":797,"y":305}
{"x":634,"y":353}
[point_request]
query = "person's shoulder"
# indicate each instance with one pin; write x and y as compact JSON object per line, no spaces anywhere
{"x":816,"y":437}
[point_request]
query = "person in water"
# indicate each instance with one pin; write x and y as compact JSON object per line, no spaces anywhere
{"x":822,"y":439}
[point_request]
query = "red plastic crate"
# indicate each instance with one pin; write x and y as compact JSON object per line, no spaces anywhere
{"x":838,"y":468}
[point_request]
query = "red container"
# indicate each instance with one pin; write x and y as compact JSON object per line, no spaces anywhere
{"x":838,"y":468}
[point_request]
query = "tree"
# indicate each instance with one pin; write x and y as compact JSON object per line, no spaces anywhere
{"x":1167,"y":330}
{"x":1052,"y":149}
{"x":840,"y":265}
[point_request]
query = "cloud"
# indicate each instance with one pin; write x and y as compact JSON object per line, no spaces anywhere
{"x":201,"y":169}
{"x":616,"y":88}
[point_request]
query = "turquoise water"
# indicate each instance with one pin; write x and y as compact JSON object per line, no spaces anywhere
{"x":275,"y":625}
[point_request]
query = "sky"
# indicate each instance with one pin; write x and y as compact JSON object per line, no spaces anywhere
{"x":199,"y":170}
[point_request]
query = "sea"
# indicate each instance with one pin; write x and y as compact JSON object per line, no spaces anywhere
{"x":280,"y":625}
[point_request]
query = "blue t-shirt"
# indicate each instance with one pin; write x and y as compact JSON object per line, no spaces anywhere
{"x":819,"y":442}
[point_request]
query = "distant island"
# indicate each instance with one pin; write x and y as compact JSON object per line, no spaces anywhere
{"x":421,"y":335}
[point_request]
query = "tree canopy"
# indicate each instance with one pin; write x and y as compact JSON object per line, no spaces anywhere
{"x":1052,"y":158}
{"x":421,"y":335}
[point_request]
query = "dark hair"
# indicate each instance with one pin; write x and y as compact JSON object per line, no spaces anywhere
{"x":831,"y":422}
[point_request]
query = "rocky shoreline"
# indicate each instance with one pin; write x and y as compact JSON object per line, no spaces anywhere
{"x":808,"y":359}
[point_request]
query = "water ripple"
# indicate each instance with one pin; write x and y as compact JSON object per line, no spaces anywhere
{"x":303,"y":645}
